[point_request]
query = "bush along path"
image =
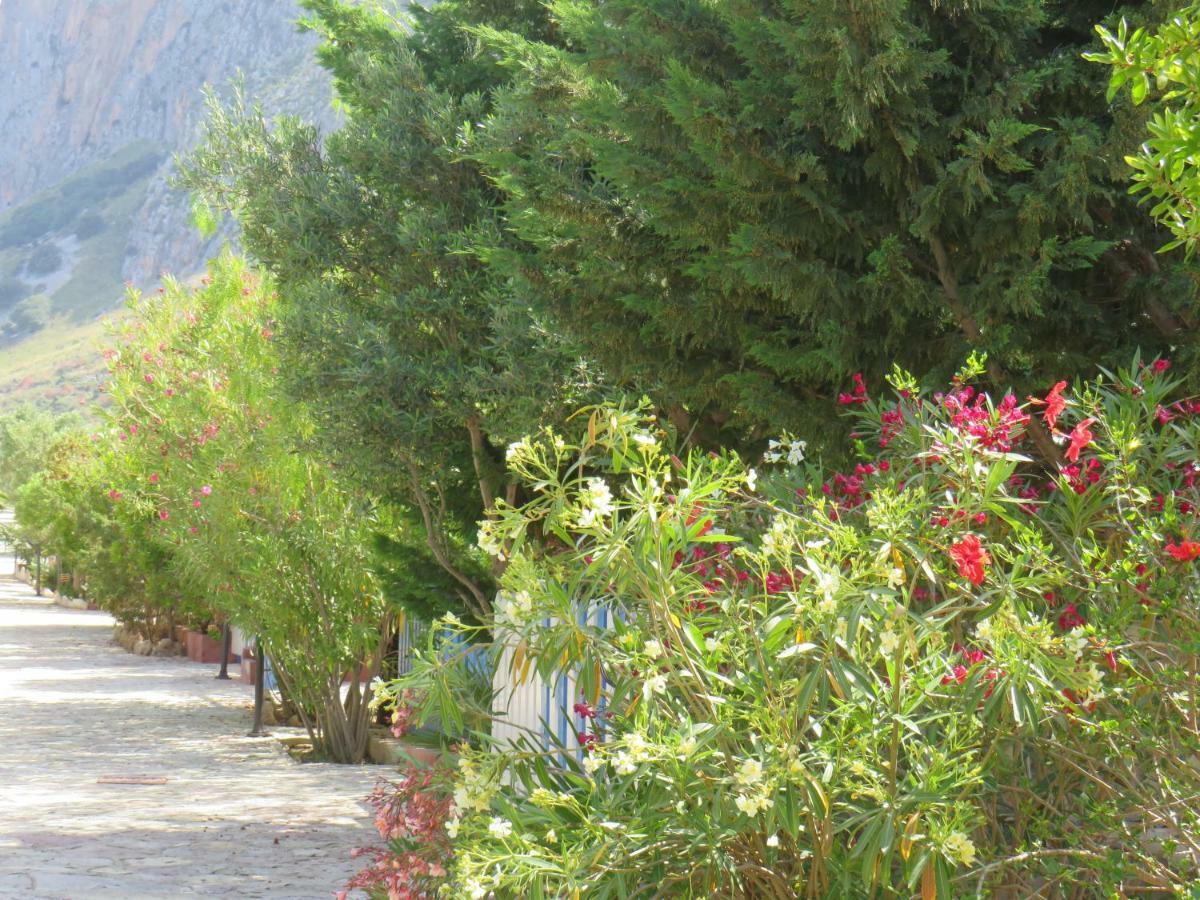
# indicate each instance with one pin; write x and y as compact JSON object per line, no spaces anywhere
{"x":218,"y":814}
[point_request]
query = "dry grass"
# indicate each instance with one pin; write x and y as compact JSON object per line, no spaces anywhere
{"x":60,"y":367}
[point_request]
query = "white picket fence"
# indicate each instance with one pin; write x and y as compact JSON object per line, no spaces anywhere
{"x":533,"y":707}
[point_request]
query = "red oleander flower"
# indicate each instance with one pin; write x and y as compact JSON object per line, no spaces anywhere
{"x":583,"y":710}
{"x":974,"y":657}
{"x":1070,"y":618}
{"x":1184,"y":551}
{"x":958,"y":677}
{"x":1081,"y":436}
{"x":970,"y":557}
{"x":1054,"y":403}
{"x":859,"y":395}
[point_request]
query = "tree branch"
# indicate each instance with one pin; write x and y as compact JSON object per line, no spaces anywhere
{"x":479,"y":603}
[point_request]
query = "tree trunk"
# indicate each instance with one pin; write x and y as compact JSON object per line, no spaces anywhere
{"x":967,"y":324}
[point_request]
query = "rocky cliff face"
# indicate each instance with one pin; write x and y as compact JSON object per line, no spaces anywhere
{"x":85,"y":79}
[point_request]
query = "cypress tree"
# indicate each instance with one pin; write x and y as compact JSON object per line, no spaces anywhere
{"x":737,"y":205}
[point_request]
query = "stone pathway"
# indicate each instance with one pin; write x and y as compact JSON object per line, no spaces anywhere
{"x":237,"y":817}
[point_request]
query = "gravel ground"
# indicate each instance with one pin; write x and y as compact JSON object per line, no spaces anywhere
{"x":236,"y":817}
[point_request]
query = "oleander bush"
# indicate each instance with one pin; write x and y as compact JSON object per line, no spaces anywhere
{"x":205,"y":460}
{"x":954,"y":670}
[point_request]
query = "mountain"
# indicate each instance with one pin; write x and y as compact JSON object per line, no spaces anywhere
{"x":98,"y":96}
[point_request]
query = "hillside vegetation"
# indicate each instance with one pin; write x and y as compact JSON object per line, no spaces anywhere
{"x":61,"y":253}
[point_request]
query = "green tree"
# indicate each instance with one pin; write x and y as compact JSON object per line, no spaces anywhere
{"x":738,"y":205}
{"x":420,"y":361}
{"x":1164,"y":65}
{"x":26,"y":434}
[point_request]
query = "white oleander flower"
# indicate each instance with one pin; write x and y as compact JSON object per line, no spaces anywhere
{"x":751,"y":480}
{"x":624,"y":764}
{"x":826,"y":584}
{"x":593,"y":764}
{"x":777,"y":538}
{"x":1076,"y":641}
{"x":596,"y":502}
{"x":655,"y":684}
{"x":515,"y":608}
{"x":888,"y":642}
{"x":984,"y":631}
{"x":636,"y":744}
{"x":749,"y":773}
{"x":488,"y":542}
{"x":959,"y":847}
{"x":500,"y":828}
{"x":652,"y":649}
{"x":896,"y":578}
{"x":753,"y":804}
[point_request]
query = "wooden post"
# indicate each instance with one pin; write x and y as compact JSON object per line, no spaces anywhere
{"x":226,"y":644}
{"x":259,"y":681}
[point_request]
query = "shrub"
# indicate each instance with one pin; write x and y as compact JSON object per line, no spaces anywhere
{"x":948,"y":670}
{"x":411,"y":815}
{"x":45,"y":260}
{"x":89,"y":225}
{"x":32,"y":314}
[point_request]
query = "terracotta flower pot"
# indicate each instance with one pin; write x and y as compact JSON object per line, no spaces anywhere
{"x":203,"y":649}
{"x":364,"y":675}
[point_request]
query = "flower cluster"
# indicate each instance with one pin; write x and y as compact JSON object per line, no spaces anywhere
{"x":410,"y":815}
{"x":897,"y":649}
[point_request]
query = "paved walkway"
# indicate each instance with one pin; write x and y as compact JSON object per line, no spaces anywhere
{"x":237,"y":818}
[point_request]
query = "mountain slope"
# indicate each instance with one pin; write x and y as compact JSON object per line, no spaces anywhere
{"x":97,"y":99}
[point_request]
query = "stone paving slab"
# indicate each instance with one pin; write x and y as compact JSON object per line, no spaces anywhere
{"x":237,"y":817}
